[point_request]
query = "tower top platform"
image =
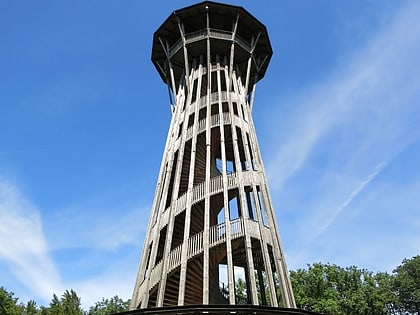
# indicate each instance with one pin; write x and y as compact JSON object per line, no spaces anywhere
{"x":211,"y":27}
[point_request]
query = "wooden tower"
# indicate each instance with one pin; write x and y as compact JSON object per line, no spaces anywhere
{"x":212,"y":220}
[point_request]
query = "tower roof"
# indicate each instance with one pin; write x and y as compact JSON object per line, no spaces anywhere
{"x":251,"y":37}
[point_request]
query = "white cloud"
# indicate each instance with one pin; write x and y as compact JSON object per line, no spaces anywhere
{"x":98,"y":225}
{"x":117,"y":279}
{"x":26,"y":252}
{"x":23,"y":245}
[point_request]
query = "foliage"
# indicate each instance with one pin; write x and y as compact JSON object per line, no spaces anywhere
{"x":111,"y":306}
{"x":71,"y":303}
{"x":240,"y":289}
{"x":330,"y":289}
{"x":406,"y":285}
{"x":68,"y":304}
{"x":323,"y":288}
{"x":8,"y":303}
{"x":30,"y":308}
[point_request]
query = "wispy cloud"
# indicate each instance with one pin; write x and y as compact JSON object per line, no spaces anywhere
{"x":339,"y":137}
{"x":375,"y":96}
{"x":23,"y":245}
{"x":116,"y":226}
{"x":117,"y":279}
{"x":328,"y":221}
{"x":29,"y":255}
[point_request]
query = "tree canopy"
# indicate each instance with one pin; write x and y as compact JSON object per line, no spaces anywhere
{"x":330,"y":289}
{"x":323,"y":288}
{"x":68,"y":304}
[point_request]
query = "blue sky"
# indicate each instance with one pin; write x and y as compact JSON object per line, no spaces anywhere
{"x":84,"y":117}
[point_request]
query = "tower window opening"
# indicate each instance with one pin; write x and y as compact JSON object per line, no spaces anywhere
{"x":225,"y":107}
{"x":223,"y":281}
{"x":178,"y":230}
{"x":231,"y":89}
{"x":241,"y":286}
{"x":254,"y":166}
{"x":171,"y":96}
{"x":230,"y":156}
{"x":194,"y":91}
{"x":242,"y":156}
{"x":194,"y":279}
{"x":222,"y":82}
{"x":235,"y":108}
{"x":180,"y":130}
{"x":161,"y":245}
{"x":160,"y":200}
{"x":149,"y":251}
{"x":190,"y":120}
{"x":172,"y":288}
{"x":230,"y":167}
{"x":214,"y":109}
{"x":234,"y":205}
{"x":200,"y":159}
{"x":250,"y":203}
{"x":213,"y":82}
{"x":216,"y":209}
{"x":262,"y":287}
{"x":262,"y":207}
{"x":204,"y":80}
{"x":152,"y":297}
{"x":202,"y":113}
{"x":197,"y":218}
{"x":219,"y":165}
{"x":221,"y":218}
{"x":259,"y":269}
{"x":243,"y":112}
{"x":275,"y":275}
{"x":185,"y":169}
{"x":171,"y":181}
{"x":182,"y":89}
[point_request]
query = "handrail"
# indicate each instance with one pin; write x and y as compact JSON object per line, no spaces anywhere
{"x":208,"y":32}
{"x":174,"y":257}
{"x":217,"y":235}
{"x":155,"y":274}
{"x":216,"y":186}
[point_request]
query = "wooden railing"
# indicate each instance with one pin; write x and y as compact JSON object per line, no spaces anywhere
{"x":215,"y":120}
{"x":174,"y":257}
{"x":155,"y":274}
{"x":195,"y":244}
{"x":198,"y":192}
{"x":203,"y":34}
{"x":217,"y":235}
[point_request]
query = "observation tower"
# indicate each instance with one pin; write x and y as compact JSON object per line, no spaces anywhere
{"x":212,"y":223}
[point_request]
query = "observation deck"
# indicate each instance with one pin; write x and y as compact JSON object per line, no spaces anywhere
{"x":211,"y":28}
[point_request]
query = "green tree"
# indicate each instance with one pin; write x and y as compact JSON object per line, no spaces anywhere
{"x":44,"y":311}
{"x":330,"y":289}
{"x":407,"y":285}
{"x":30,"y":308}
{"x":240,"y":291}
{"x":381,"y":294}
{"x":55,"y":306}
{"x":111,"y":306}
{"x":315,"y":289}
{"x":71,"y":303}
{"x":8,"y":303}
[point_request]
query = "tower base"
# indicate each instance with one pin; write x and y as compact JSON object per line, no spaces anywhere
{"x":219,"y":310}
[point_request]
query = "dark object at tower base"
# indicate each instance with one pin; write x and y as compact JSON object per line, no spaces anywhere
{"x":219,"y":309}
